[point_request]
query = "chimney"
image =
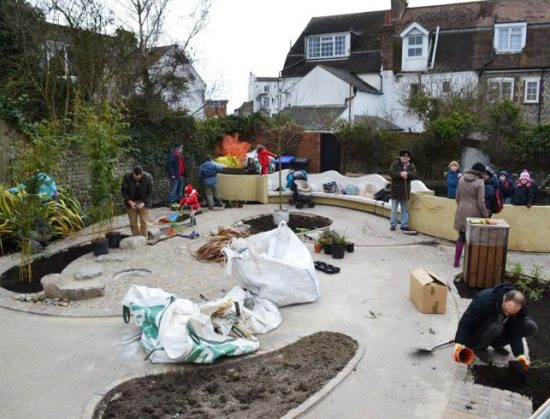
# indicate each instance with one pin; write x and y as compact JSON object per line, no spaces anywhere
{"x":398,"y":8}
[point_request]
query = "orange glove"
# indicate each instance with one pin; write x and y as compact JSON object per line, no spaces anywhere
{"x":524,"y":361}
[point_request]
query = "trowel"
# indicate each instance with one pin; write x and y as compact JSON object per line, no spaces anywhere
{"x":435,"y":347}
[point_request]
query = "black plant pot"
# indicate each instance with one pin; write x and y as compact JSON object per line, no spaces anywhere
{"x":327,"y":248}
{"x":101,"y":247}
{"x":338,"y":251}
{"x":350,"y":247}
{"x":114,"y":238}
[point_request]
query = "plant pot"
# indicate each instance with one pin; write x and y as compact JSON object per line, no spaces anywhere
{"x":317,"y":248}
{"x":350,"y":247}
{"x":114,"y":238}
{"x":101,"y":246}
{"x":338,"y":251}
{"x":328,"y":249}
{"x":280,"y":215}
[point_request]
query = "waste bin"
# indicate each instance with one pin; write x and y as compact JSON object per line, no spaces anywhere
{"x":486,"y":248}
{"x":286,"y":161}
{"x":300,"y":163}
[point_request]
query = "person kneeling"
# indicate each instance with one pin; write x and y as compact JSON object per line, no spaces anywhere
{"x":191,"y":201}
{"x":496,"y":317}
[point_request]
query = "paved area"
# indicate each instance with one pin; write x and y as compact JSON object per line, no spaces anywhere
{"x":55,"y":364}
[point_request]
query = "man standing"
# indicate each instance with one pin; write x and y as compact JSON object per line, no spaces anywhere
{"x":402,"y":171}
{"x":177,"y":172}
{"x":496,"y":317}
{"x":137,"y":190}
{"x":208,"y":171}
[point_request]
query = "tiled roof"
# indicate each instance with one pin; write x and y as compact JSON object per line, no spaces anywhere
{"x":352,"y":79}
{"x":377,"y":122}
{"x":365,"y":44}
{"x":316,"y":118}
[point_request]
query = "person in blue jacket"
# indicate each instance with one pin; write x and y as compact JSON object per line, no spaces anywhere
{"x":453,"y":175}
{"x":506,"y":186}
{"x":491,"y":185}
{"x":208,"y":171}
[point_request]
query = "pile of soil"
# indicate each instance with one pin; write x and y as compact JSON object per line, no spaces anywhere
{"x":298,"y":221}
{"x":536,"y":383}
{"x":41,"y":266}
{"x":265,"y":386}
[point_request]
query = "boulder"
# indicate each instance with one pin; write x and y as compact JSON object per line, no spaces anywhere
{"x":133,"y":242}
{"x":88,"y":272}
{"x":60,"y":286}
{"x":153,"y":233}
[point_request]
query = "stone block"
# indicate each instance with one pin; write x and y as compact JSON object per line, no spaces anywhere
{"x":65,"y":287}
{"x":133,"y":242}
{"x":110,"y":258}
{"x":153,"y":233}
{"x":88,"y":272}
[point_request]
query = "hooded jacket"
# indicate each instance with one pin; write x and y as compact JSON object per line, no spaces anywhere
{"x":484,"y":309}
{"x":452,"y":183}
{"x":491,"y":186}
{"x":470,"y":199}
{"x":191,"y":198}
{"x":507,"y":187}
{"x":524,"y":194}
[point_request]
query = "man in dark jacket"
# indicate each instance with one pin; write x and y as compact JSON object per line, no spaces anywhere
{"x":177,"y":173}
{"x":496,"y":317}
{"x":137,"y":190}
{"x":402,"y":171}
{"x":491,"y":185}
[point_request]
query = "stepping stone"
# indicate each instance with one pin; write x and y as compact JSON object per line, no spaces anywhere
{"x":110,"y":258}
{"x":65,"y":287}
{"x":133,"y":242}
{"x":153,"y":233}
{"x":88,"y":272}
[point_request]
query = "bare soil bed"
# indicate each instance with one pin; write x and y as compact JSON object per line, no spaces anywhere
{"x":536,"y":383}
{"x":298,"y":222}
{"x":264,"y":386}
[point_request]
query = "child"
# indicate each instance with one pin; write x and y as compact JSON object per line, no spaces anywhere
{"x":293,"y":175}
{"x":507,"y":186}
{"x":263,"y":158}
{"x":191,"y":201}
{"x":524,"y":192}
{"x":453,"y":175}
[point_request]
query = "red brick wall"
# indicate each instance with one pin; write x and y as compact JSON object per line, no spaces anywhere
{"x":310,"y":147}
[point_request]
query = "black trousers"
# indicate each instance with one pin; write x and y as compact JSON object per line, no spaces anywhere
{"x":495,"y":333}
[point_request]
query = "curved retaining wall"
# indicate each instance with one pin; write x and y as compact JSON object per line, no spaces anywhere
{"x":429,"y":214}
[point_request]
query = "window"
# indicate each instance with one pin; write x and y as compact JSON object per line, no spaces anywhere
{"x":446,"y":86}
{"x":266,"y":88}
{"x":415,"y":45}
{"x":500,"y":89}
{"x":265,"y":103}
{"x":328,"y":46}
{"x":510,"y":38}
{"x":531,"y":89}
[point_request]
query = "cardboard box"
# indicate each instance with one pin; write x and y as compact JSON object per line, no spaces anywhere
{"x":428,"y":292}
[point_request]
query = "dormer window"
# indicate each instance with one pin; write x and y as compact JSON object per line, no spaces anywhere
{"x":327,"y":46}
{"x":415,"y":48}
{"x":510,"y":37}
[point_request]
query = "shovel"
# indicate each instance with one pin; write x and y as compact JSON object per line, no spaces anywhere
{"x":429,"y":350}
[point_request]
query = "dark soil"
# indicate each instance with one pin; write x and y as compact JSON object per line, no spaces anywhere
{"x":41,"y":266}
{"x":266,"y":386}
{"x":298,"y":221}
{"x":536,"y":383}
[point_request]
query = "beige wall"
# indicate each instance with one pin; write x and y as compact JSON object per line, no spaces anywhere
{"x":431,"y":215}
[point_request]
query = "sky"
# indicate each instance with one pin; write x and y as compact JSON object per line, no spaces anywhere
{"x":246,"y":36}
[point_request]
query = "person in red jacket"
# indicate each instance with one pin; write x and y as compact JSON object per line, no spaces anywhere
{"x":191,"y":201}
{"x":263,"y":158}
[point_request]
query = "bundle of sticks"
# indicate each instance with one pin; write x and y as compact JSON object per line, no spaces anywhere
{"x":212,"y":250}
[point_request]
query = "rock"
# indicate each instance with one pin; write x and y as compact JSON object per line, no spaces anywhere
{"x":133,"y":242}
{"x":239,"y":224}
{"x":36,"y":247}
{"x":110,"y":258}
{"x":213,"y":232}
{"x":88,"y":272}
{"x":153,"y":233}
{"x":59,"y":286}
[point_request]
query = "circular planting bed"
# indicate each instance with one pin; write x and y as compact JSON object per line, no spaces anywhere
{"x":42,"y":266}
{"x":264,"y":386}
{"x":299,"y":222}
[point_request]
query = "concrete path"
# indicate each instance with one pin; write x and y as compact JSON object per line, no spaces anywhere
{"x":52,"y":366}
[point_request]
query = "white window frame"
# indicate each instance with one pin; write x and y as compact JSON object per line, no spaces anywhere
{"x":417,"y":62}
{"x":509,"y":26}
{"x":500,"y":81}
{"x":415,"y":46}
{"x":526,"y":81}
{"x":325,"y":40}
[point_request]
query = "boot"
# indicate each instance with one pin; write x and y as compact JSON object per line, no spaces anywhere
{"x":458,"y":253}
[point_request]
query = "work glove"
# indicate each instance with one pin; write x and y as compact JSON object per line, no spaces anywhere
{"x":524,"y":361}
{"x":457,"y":352}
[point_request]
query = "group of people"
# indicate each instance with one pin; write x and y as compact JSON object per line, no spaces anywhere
{"x":498,"y":186}
{"x":497,"y":316}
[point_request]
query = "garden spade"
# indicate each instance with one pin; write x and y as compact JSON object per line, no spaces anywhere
{"x":429,"y":350}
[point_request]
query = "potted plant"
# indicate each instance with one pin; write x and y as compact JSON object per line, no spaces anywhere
{"x":101,"y":131}
{"x":339,"y":246}
{"x":317,"y":245}
{"x":350,"y":247}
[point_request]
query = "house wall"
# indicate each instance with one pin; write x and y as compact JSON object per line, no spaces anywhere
{"x":319,"y":87}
